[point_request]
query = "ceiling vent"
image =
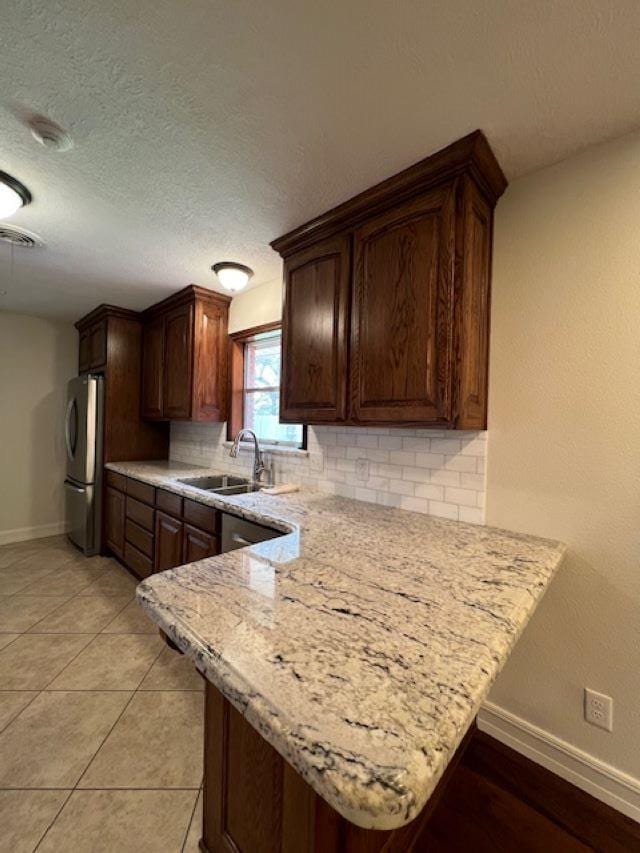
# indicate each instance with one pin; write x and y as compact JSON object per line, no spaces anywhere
{"x":49,"y":134}
{"x":19,"y":237}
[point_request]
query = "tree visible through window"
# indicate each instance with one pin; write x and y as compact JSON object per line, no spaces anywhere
{"x":262,"y":391}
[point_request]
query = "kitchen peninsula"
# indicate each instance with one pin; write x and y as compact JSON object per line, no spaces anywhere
{"x":345,"y":661}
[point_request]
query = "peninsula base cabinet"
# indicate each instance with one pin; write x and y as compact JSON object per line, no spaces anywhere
{"x":152,"y":530}
{"x":255,"y":802}
{"x":387,"y":298}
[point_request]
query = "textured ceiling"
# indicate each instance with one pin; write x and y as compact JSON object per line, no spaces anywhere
{"x":205,"y":129}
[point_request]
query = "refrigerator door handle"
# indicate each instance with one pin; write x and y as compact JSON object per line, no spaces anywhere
{"x":71,"y":488}
{"x":67,"y":429}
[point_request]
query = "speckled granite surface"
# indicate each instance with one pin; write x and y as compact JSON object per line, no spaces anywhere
{"x":360,"y":644}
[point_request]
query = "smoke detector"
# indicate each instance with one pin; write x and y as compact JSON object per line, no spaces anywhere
{"x":19,"y":237}
{"x":49,"y":134}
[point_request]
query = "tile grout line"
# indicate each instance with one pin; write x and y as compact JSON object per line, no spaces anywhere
{"x":54,"y":819}
{"x":133,"y":693}
{"x":38,"y":692}
{"x":190,"y":821}
{"x":75,"y":787}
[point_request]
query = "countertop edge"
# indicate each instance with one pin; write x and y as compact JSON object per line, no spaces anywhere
{"x":256,"y":708}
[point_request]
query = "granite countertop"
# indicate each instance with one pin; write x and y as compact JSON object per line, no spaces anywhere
{"x":361,"y":643}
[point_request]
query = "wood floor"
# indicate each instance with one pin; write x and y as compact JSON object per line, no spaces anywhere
{"x":500,"y":802}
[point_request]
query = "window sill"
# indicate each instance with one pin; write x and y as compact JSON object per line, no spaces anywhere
{"x":271,"y":449}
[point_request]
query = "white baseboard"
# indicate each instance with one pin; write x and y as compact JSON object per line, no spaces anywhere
{"x":611,"y":786}
{"x":22,"y":534}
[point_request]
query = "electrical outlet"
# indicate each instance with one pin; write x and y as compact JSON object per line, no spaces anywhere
{"x":362,"y":469}
{"x":598,"y":709}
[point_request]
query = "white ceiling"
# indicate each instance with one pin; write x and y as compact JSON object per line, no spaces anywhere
{"x":205,"y":128}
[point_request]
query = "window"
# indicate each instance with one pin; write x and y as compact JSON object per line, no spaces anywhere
{"x":255,"y":366}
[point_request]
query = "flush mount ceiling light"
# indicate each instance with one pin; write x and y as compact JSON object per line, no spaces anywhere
{"x":13,"y":195}
{"x":232,"y":276}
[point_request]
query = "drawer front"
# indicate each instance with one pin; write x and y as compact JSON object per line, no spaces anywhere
{"x":137,"y":561}
{"x":140,"y":513}
{"x":138,"y":536}
{"x":204,"y":517}
{"x":116,"y":481}
{"x":141,"y":491}
{"x":169,"y":502}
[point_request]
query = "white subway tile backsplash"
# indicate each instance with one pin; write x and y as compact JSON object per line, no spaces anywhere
{"x":401,"y":487}
{"x":433,"y":493}
{"x":462,"y":497}
{"x":460,"y":463}
{"x":402,"y":457}
{"x":429,"y":460}
{"x":415,"y":504}
{"x":435,"y":472}
{"x":444,"y":510}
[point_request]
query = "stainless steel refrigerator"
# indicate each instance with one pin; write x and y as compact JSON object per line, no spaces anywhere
{"x":83,"y":483}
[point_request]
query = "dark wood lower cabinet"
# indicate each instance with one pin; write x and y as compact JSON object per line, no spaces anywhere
{"x":198,"y":544}
{"x":490,"y":800}
{"x":152,"y":530}
{"x":169,"y":542}
{"x":115,"y":521}
{"x":255,"y":802}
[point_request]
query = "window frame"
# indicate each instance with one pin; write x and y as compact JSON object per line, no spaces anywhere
{"x":237,"y":350}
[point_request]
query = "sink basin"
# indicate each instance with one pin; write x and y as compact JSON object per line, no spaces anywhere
{"x":238,"y":490}
{"x":222,"y":484}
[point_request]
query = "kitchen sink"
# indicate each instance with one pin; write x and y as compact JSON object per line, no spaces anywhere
{"x":222,"y":484}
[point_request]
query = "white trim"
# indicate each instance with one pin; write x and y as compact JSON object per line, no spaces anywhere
{"x":23,"y":534}
{"x":601,"y":780}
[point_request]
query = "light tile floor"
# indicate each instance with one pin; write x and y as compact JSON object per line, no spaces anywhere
{"x":101,"y":725}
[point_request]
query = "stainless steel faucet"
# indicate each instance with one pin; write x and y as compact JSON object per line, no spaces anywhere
{"x":259,"y":468}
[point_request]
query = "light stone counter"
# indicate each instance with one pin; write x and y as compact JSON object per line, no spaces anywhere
{"x":361,"y":644}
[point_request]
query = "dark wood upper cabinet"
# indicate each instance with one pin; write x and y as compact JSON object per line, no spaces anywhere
{"x":210,"y":359}
{"x":111,"y":344}
{"x":152,"y":369}
{"x":402,"y":300}
{"x":412,"y":258}
{"x":92,"y":353}
{"x":84,"y":351}
{"x":98,"y":344}
{"x":178,"y":362}
{"x":185,"y":357}
{"x":314,"y":345}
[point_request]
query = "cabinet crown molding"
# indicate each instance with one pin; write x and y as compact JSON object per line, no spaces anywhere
{"x":184,"y":296}
{"x":102,"y":312}
{"x":470,"y":155}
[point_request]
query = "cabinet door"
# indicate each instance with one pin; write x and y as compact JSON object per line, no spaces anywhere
{"x":198,"y":544}
{"x":168,"y":544}
{"x":84,"y":352}
{"x":178,"y":363}
{"x":152,"y":369}
{"x":314,"y":334}
{"x":115,"y":521}
{"x":98,"y":344}
{"x":401,"y":325}
{"x":210,"y":362}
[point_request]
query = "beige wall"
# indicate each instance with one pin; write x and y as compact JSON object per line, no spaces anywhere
{"x":564,"y":436}
{"x":37,"y":357}
{"x":262,"y":304}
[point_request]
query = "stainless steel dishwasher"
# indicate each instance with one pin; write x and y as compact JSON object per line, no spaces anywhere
{"x":238,"y":532}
